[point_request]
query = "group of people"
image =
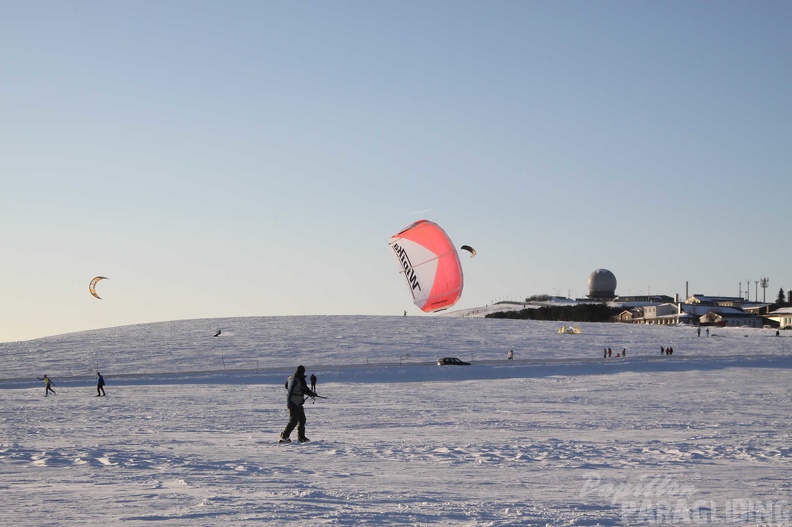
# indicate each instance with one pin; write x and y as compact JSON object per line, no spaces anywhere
{"x":296,"y":385}
{"x":608,"y":353}
{"x":48,"y":384}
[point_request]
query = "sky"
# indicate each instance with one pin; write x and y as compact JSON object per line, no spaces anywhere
{"x":253,"y":158}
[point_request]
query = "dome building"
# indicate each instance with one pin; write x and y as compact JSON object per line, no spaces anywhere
{"x":602,"y":285}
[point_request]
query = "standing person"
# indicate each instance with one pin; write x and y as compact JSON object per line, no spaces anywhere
{"x":295,"y":400}
{"x":100,"y":385}
{"x":48,"y":384}
{"x":510,"y":356}
{"x":313,"y":383}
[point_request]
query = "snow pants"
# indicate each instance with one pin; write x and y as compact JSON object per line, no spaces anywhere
{"x":296,"y":418}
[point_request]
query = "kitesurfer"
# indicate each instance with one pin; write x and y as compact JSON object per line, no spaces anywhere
{"x":48,"y":384}
{"x":100,"y":383}
{"x":298,"y":391}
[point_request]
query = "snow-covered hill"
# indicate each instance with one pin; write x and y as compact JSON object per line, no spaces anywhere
{"x":263,"y":343}
{"x":560,"y":436}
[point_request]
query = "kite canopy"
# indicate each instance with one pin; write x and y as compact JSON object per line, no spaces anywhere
{"x":469,"y":249}
{"x":92,"y":286}
{"x":430,"y":264}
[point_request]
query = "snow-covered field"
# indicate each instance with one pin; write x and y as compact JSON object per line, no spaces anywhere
{"x":187,"y":434}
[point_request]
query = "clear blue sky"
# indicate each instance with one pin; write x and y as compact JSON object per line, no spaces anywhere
{"x":252,"y":158}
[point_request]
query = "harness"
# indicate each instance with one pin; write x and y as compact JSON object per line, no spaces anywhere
{"x":295,"y":380}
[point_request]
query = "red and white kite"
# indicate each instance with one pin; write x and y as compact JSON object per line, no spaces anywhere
{"x":430,"y":264}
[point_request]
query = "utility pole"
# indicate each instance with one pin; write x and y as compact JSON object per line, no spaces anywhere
{"x":765,"y":282}
{"x":748,"y":289}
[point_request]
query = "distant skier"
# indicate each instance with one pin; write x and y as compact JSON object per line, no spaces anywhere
{"x":510,"y":356}
{"x":313,"y":382}
{"x":48,"y":384}
{"x":295,"y":400}
{"x":624,"y":352}
{"x":100,"y":383}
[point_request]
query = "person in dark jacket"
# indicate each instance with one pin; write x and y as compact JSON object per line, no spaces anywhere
{"x":99,"y":385}
{"x":313,"y":383}
{"x":298,"y":391}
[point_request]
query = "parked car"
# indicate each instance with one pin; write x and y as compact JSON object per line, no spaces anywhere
{"x":451,"y":361}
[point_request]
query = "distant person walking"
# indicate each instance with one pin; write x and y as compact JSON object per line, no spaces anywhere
{"x":313,"y":382}
{"x":708,"y":332}
{"x":510,"y":355}
{"x":100,"y":383}
{"x":48,"y":384}
{"x":699,"y":331}
{"x":298,"y":391}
